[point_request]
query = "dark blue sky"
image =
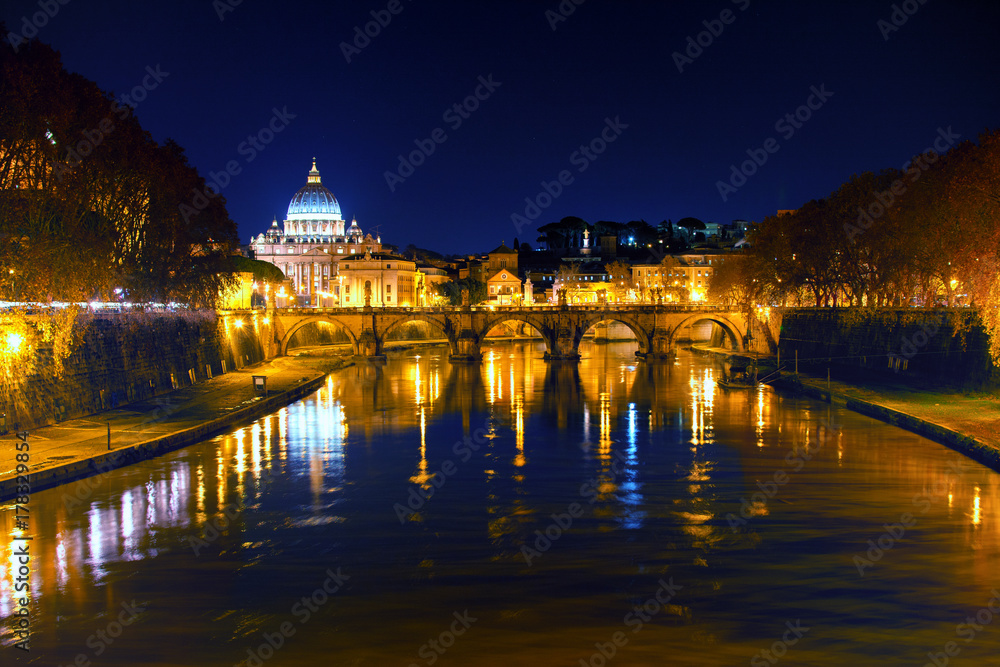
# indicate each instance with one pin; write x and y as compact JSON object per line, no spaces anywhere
{"x":607,"y":60}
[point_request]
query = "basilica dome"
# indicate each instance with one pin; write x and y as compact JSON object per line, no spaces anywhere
{"x":314,"y":202}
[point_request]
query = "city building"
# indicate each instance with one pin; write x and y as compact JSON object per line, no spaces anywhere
{"x":504,"y":288}
{"x":390,"y":280}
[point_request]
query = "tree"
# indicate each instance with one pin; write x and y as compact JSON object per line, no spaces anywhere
{"x":620,"y":281}
{"x":690,"y":225}
{"x":673,"y":286}
{"x":452,"y":290}
{"x":90,"y":204}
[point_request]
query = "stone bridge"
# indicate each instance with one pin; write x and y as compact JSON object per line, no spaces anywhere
{"x":561,"y":327}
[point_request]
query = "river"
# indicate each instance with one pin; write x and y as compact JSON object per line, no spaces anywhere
{"x":607,"y":511}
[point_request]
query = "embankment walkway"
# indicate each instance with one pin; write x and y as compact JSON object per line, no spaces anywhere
{"x":79,"y":448}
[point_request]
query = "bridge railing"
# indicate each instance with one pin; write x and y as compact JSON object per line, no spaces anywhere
{"x":540,"y":308}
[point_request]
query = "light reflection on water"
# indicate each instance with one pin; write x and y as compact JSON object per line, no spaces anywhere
{"x":666,"y":455}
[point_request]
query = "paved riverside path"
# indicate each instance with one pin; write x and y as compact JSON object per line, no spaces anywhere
{"x":75,"y":448}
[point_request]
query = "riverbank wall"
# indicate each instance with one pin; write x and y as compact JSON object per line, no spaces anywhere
{"x":121,"y":358}
{"x":924,"y":348}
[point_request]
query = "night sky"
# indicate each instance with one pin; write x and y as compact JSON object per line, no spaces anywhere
{"x":885,"y":92}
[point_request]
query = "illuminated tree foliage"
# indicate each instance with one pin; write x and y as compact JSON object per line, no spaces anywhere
{"x":927,"y":235}
{"x":89,"y":203}
{"x":620,"y":281}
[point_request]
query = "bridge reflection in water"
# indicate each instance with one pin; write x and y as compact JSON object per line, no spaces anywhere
{"x":666,"y":453}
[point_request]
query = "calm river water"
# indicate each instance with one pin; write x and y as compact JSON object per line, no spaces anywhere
{"x":523,"y":512}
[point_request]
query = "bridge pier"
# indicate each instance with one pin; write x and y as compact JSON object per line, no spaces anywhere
{"x":466,"y":348}
{"x":660,"y":347}
{"x":467,"y":342}
{"x":564,"y":345}
{"x":601,"y":332}
{"x":369,"y":343}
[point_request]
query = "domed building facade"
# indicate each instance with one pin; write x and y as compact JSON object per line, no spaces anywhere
{"x":310,"y":242}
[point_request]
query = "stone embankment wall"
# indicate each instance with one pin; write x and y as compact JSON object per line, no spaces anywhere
{"x":942,"y":348}
{"x":121,"y":358}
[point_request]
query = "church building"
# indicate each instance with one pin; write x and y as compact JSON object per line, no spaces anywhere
{"x":311,"y":241}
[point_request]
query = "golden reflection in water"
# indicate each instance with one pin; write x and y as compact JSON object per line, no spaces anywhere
{"x":220,"y":482}
{"x":255,"y":452}
{"x":418,"y":396}
{"x":268,"y":455}
{"x":283,"y":434}
{"x":491,"y":379}
{"x":200,"y":517}
{"x":702,"y":401}
{"x":519,"y":459}
{"x":604,"y":442}
{"x":761,"y":423}
{"x":976,"y":517}
{"x":240,"y":462}
{"x":422,"y":476}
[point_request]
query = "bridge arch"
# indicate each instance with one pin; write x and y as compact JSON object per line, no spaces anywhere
{"x":316,"y":319}
{"x":642,"y":336}
{"x":530,"y":319}
{"x":533,"y":320}
{"x":728,"y":326}
{"x":441,"y":323}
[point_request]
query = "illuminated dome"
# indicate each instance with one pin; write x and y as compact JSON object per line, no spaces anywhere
{"x":315,"y":204}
